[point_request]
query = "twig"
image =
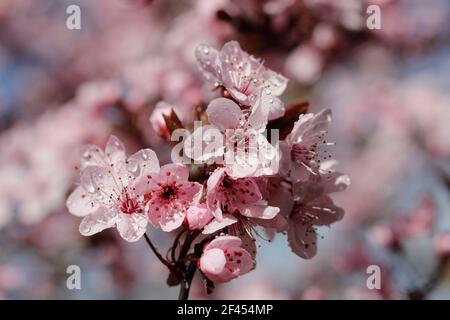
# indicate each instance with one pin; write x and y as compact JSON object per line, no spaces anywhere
{"x":157,"y":254}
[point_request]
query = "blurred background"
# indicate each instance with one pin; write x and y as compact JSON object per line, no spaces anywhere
{"x":389,"y":91}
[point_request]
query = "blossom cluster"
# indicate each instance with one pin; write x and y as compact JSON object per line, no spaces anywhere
{"x":222,"y":209}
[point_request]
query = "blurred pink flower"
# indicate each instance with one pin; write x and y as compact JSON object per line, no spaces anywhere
{"x":418,"y":222}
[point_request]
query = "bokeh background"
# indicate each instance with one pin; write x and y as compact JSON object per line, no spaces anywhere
{"x":389,"y":91}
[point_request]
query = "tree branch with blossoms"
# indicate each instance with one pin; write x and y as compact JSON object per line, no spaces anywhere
{"x":231,"y":177}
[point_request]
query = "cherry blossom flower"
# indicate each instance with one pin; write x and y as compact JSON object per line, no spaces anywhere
{"x":244,"y":77}
{"x":245,"y":150}
{"x":168,"y":194}
{"x":300,"y":150}
{"x":107,"y":196}
{"x":235,"y":201}
{"x":313,"y":207}
{"x":224,"y":259}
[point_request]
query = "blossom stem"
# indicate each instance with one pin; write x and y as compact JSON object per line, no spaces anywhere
{"x":191,"y":268}
{"x":175,"y":244}
{"x":185,"y":286}
{"x":157,"y":254}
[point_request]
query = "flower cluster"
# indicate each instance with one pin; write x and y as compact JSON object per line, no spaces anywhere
{"x":218,"y":207}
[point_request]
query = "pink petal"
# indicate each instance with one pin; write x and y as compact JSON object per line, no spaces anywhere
{"x":325,"y":211}
{"x":173,"y":173}
{"x":212,"y":263}
{"x":276,"y":110}
{"x":204,"y":144}
{"x":97,"y":221}
{"x":260,"y":112}
{"x":302,"y":240}
{"x":224,"y":114}
{"x":207,"y":58}
{"x":145,"y":183}
{"x":99,"y":182}
{"x":216,"y":225}
{"x":143,"y":162}
{"x":212,"y":200}
{"x":190,"y":192}
{"x":92,"y":155}
{"x":224,"y":242}
{"x":241,"y":264}
{"x":132,"y":227}
{"x":169,"y":223}
{"x":277,"y":82}
{"x":261,"y":212}
{"x":79,"y":203}
{"x":115,"y":150}
{"x":198,"y":216}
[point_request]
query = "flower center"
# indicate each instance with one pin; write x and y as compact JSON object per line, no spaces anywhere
{"x":168,"y":192}
{"x":130,"y":205}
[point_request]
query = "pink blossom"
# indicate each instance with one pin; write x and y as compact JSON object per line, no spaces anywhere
{"x":244,"y":77}
{"x":168,"y":194}
{"x":305,"y":63}
{"x":313,"y":207}
{"x":224,"y":259}
{"x":107,"y":195}
{"x":246,"y":151}
{"x":300,"y":151}
{"x":384,"y":236}
{"x":235,"y":200}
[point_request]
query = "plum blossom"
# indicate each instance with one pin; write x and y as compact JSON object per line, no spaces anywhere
{"x":224,"y":259}
{"x":235,"y":201}
{"x":305,"y":215}
{"x":244,"y":77}
{"x":313,"y":207}
{"x":107,"y":195}
{"x":168,"y":194}
{"x":300,"y":150}
{"x":245,"y":150}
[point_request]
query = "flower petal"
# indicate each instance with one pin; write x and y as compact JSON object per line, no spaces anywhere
{"x":97,"y":221}
{"x":302,"y":240}
{"x":260,"y":212}
{"x":224,"y":242}
{"x":224,"y":114}
{"x":212,"y":263}
{"x":216,"y":225}
{"x":143,"y":162}
{"x":207,"y":59}
{"x":79,"y":203}
{"x":173,"y":173}
{"x":132,"y":227}
{"x":115,"y":150}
